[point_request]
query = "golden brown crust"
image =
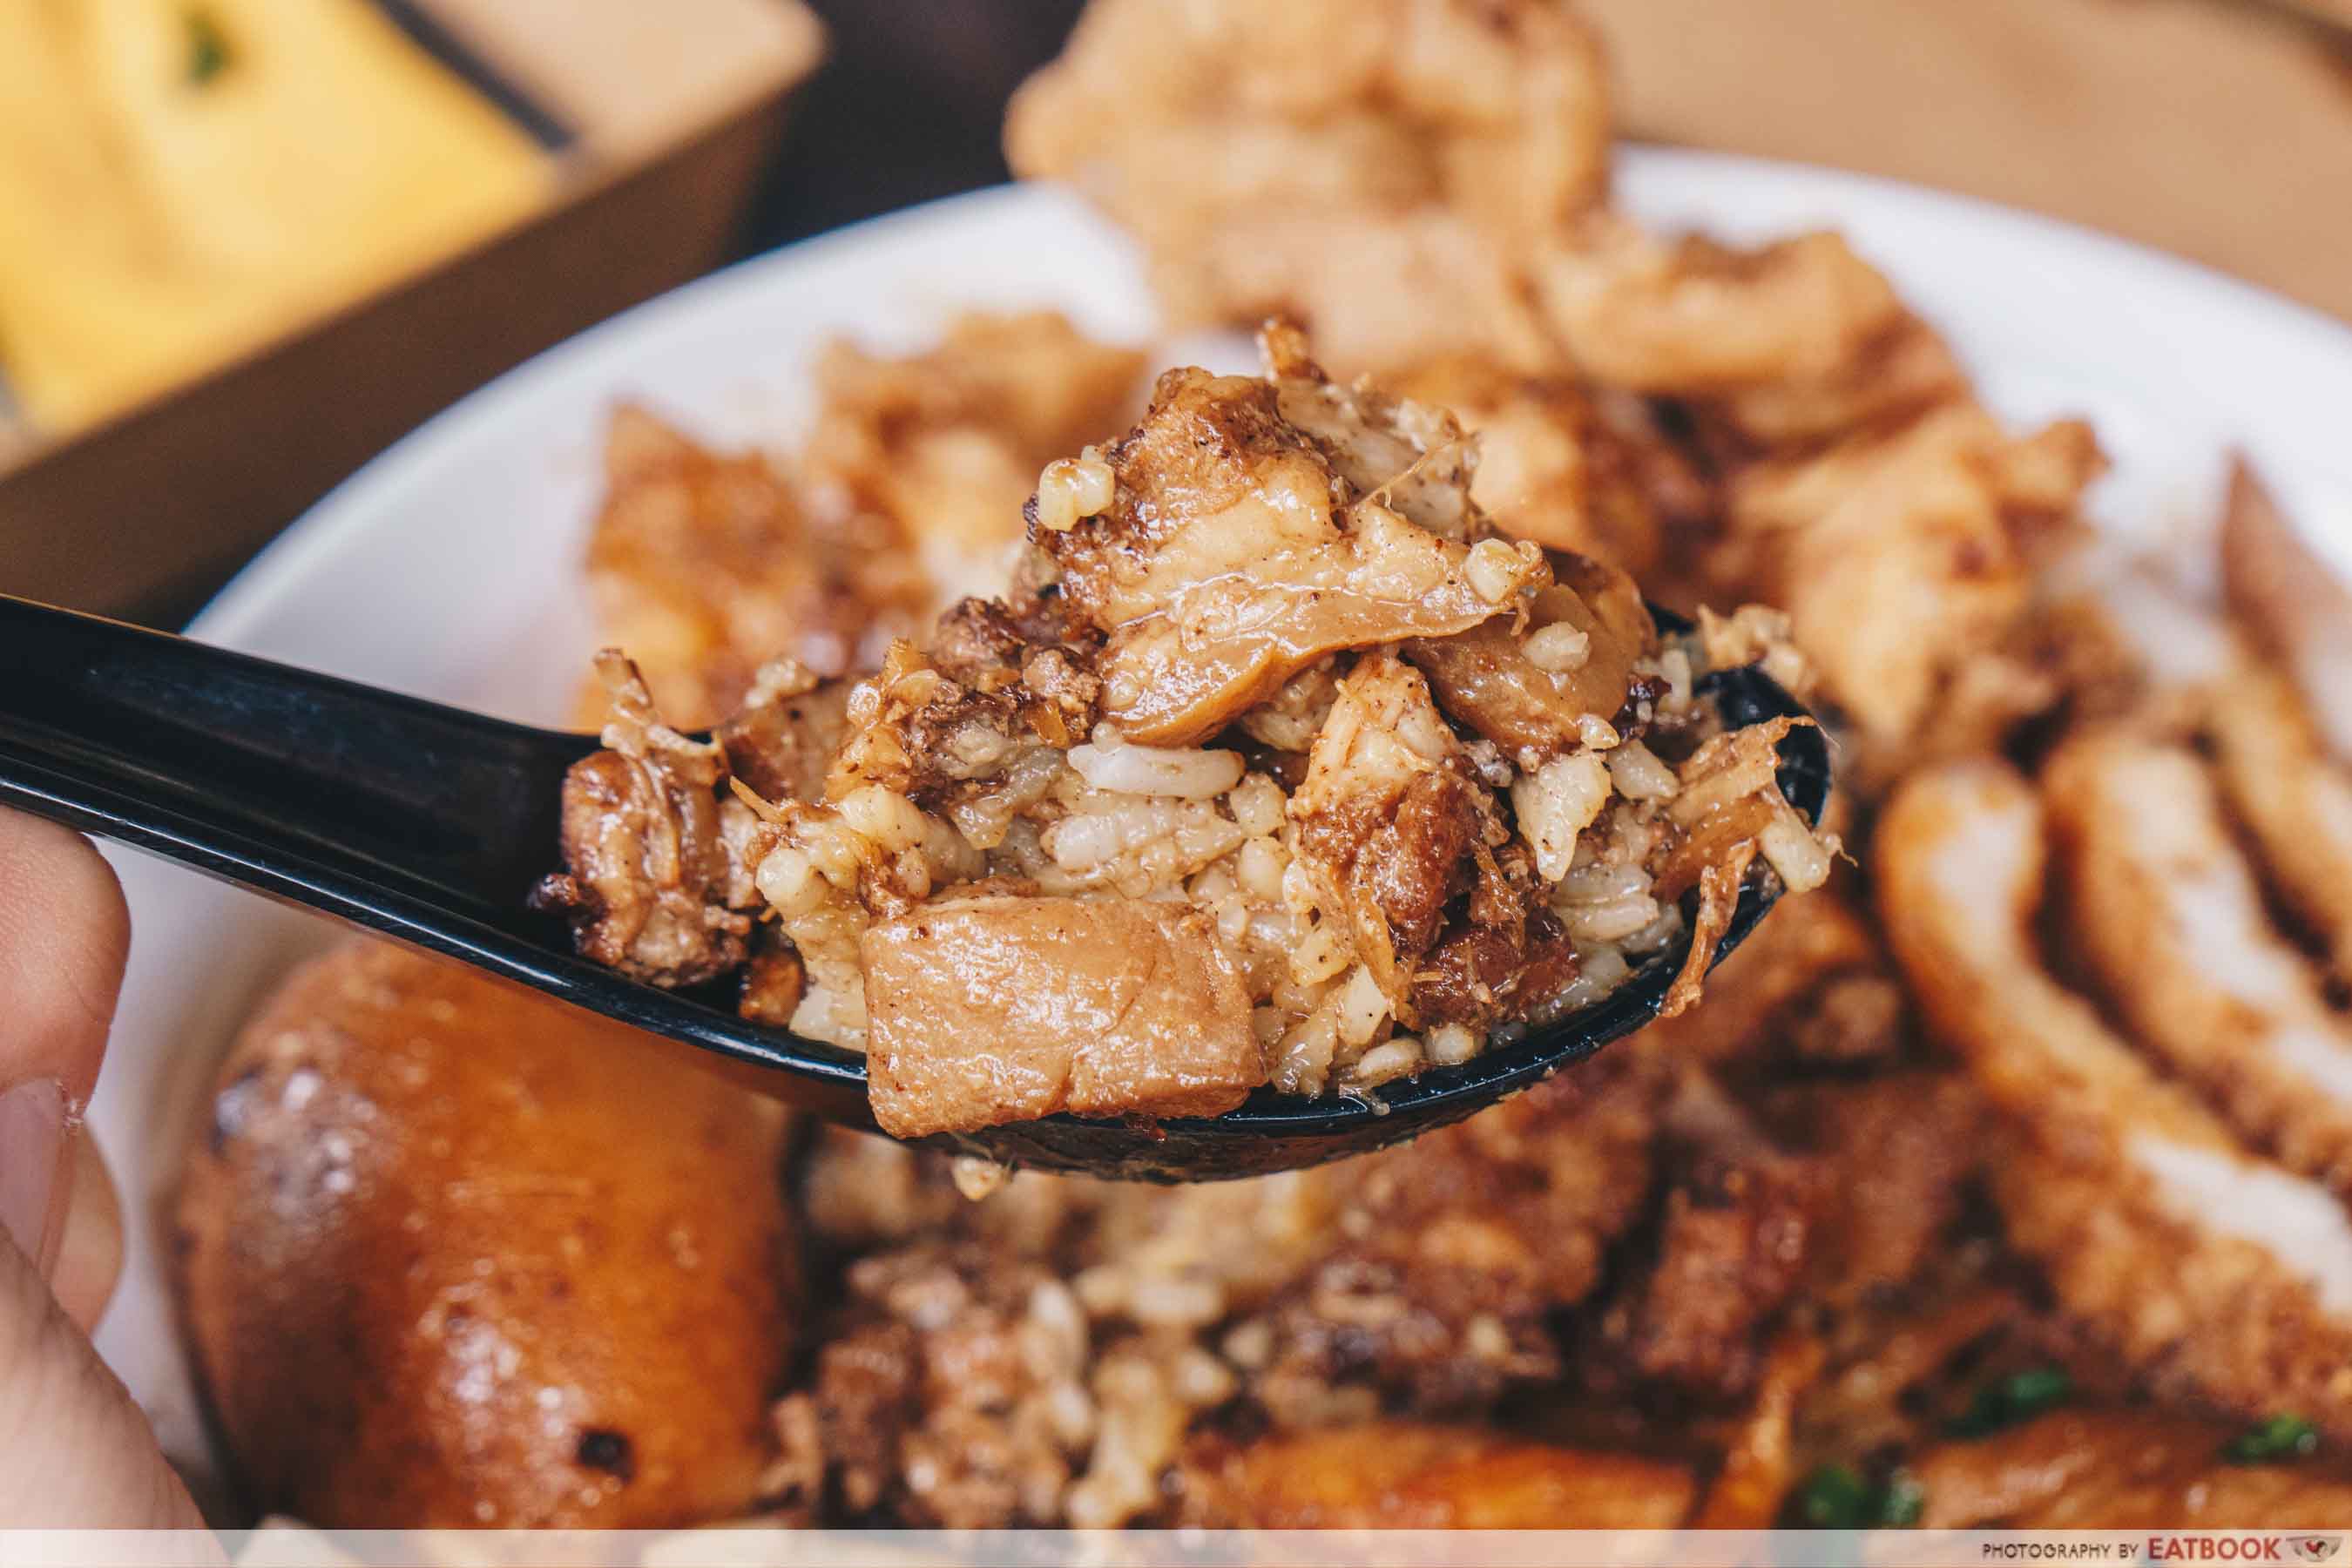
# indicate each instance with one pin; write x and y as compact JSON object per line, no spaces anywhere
{"x":1691,"y":316}
{"x":1395,"y":1475}
{"x":451,"y":1254}
{"x":2121,"y":1469}
{"x":946,"y":444}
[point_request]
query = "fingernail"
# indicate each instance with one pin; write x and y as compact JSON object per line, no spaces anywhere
{"x":32,"y":1158}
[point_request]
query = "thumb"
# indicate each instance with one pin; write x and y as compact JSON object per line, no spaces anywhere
{"x":75,"y":1449}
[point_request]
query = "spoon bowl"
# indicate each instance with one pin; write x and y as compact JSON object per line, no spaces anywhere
{"x":431,"y":825}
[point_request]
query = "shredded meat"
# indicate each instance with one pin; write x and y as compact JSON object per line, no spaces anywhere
{"x":940,"y":732}
{"x":1740,"y":1218}
{"x":1477,"y":838}
{"x":1388,"y":816}
{"x":650,"y":867}
{"x":781,"y":746}
{"x":1445,"y":1262}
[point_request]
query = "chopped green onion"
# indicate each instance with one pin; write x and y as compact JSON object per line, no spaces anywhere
{"x":208,"y":50}
{"x":1901,"y":1501}
{"x":2014,"y":1399}
{"x":1833,"y":1498}
{"x":1836,"y":1497}
{"x":2279,"y":1440}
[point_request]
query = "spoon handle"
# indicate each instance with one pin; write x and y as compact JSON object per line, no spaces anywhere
{"x":361,"y":802}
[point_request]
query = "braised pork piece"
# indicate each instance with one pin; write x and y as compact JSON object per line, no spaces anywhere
{"x":1279,"y":763}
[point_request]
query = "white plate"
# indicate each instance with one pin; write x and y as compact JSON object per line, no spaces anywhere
{"x":448,"y":567}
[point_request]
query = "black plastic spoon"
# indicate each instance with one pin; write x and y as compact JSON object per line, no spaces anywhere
{"x":431,"y":825}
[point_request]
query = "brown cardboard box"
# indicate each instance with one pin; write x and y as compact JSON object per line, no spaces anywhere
{"x":2218,"y":129}
{"x":674,"y":108}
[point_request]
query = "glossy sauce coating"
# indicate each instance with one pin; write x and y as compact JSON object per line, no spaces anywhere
{"x":450,"y":1254}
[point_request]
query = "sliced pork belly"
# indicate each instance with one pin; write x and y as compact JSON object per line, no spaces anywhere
{"x":2295,"y":800}
{"x":989,"y":1010}
{"x":2215,"y":1274}
{"x":2167,"y":914}
{"x":1250,"y":526}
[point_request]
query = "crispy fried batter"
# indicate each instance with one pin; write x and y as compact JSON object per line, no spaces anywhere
{"x":1692,"y":317}
{"x":1565,"y":464}
{"x":1367,"y":167}
{"x":705,"y":565}
{"x":947,"y":443}
{"x":1901,"y":558}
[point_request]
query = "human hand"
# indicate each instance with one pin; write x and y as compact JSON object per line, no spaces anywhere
{"x":76,"y":1452}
